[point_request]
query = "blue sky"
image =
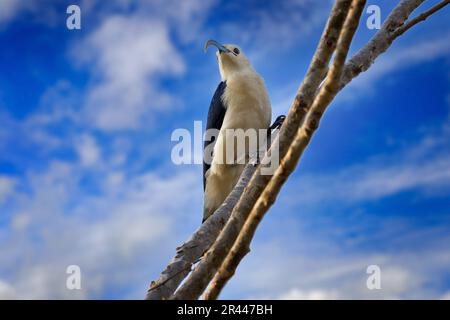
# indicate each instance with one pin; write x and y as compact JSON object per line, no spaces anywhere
{"x":86,"y":176}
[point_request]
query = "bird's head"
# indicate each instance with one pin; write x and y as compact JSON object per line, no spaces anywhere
{"x":230,"y":57}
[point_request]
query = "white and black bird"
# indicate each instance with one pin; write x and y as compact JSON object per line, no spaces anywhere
{"x":241,"y":101}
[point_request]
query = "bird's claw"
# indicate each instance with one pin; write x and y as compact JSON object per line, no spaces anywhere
{"x":278,"y":122}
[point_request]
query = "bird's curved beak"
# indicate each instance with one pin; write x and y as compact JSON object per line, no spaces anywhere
{"x":219,"y":46}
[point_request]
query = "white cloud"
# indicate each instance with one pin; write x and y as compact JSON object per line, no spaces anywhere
{"x":393,"y":61}
{"x":116,"y":235}
{"x":120,"y":221}
{"x":186,"y":18}
{"x":265,"y":30}
{"x":47,"y":13}
{"x":374,"y":181}
{"x":315,"y":294}
{"x":446,"y":296}
{"x":10,"y":8}
{"x":6,"y":187}
{"x":285,"y":271}
{"x":20,"y":221}
{"x":129,"y":54}
{"x":417,"y":53}
{"x":424,"y":166}
{"x":7,"y":292}
{"x":41,"y":130}
{"x":88,"y":150}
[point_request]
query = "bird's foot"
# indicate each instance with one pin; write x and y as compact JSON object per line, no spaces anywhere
{"x":278,"y":122}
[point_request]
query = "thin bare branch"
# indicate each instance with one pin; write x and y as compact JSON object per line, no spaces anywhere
{"x":421,"y":17}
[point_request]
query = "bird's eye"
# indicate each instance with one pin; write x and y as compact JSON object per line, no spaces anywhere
{"x":236,"y":50}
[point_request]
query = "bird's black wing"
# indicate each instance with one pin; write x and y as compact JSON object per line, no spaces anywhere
{"x":216,"y":114}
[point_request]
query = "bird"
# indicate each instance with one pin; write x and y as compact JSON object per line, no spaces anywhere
{"x":241,"y":101}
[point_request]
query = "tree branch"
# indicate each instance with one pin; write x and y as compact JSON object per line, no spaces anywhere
{"x":192,"y":250}
{"x":380,"y":42}
{"x":326,"y":94}
{"x":375,"y":46}
{"x":421,"y":17}
{"x":206,"y":269}
{"x":202,"y":239}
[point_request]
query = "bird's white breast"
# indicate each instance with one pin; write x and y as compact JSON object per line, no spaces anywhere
{"x":247,"y":102}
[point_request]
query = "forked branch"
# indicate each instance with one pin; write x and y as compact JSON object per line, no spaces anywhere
{"x":255,"y":192}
